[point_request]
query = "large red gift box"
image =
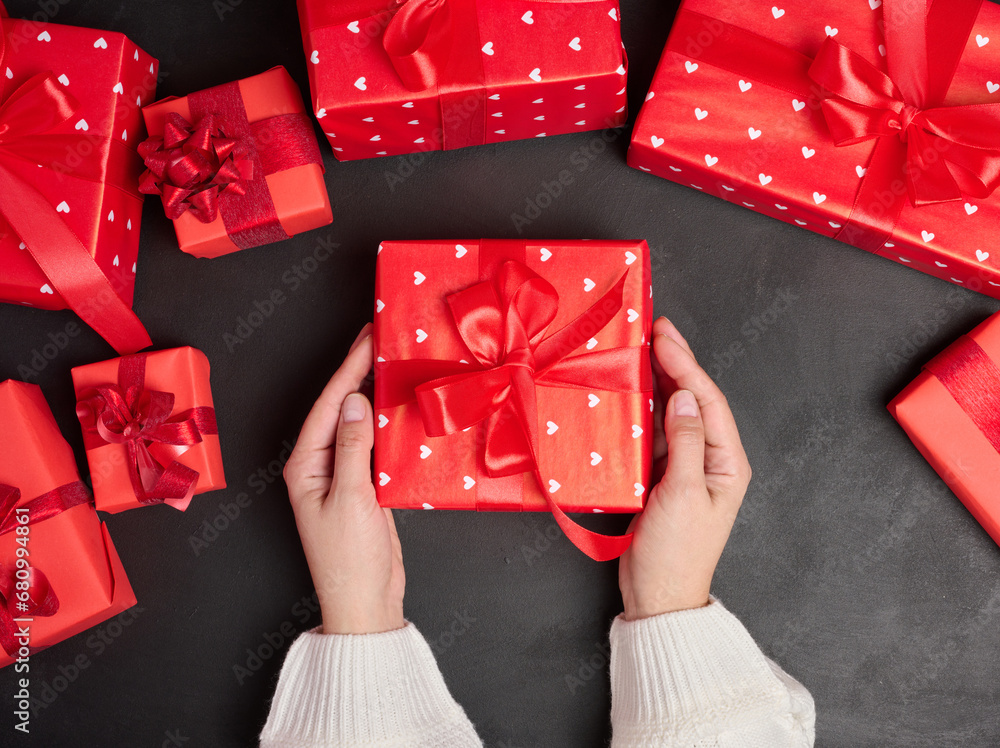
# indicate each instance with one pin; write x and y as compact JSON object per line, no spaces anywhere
{"x":59,"y":571}
{"x":389,"y":78}
{"x":872,"y":122}
{"x":69,"y":224}
{"x":951,"y":412}
{"x":514,"y":375}
{"x":149,"y":429}
{"x":251,"y":171}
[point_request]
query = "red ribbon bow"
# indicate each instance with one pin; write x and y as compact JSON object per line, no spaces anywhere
{"x":192,"y":166}
{"x":504,"y":324}
{"x":40,"y":598}
{"x":934,"y":147}
{"x":139,"y":418}
{"x":29,"y":120}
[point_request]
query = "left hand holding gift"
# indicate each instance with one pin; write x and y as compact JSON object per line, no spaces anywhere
{"x":350,"y":542}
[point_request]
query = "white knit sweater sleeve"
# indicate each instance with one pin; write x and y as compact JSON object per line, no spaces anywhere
{"x":696,"y":678}
{"x":372,"y":690}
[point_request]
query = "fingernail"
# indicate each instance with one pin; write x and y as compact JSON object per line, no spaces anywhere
{"x":685,"y":404}
{"x":354,"y":408}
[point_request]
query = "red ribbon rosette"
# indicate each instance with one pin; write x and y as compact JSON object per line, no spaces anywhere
{"x":192,"y":167}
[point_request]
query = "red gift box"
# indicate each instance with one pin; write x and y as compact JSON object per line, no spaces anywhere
{"x":389,"y":78}
{"x":951,"y":412}
{"x":514,"y":376}
{"x":149,"y":429}
{"x":71,"y":101}
{"x":247,"y":162}
{"x":831,"y":120}
{"x":59,"y":571}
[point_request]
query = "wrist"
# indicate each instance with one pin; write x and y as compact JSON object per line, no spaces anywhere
{"x":349,"y":620}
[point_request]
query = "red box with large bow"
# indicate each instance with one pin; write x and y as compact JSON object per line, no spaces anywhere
{"x":514,"y":376}
{"x":236,"y":165}
{"x":871,"y":122}
{"x":951,"y":412}
{"x":391,"y":77}
{"x":69,"y":231}
{"x":149,"y":429}
{"x":59,"y":571}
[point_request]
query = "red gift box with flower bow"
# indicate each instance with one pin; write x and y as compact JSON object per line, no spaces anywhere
{"x":514,"y":376}
{"x":69,"y":201}
{"x":874,"y":122}
{"x":391,"y":77}
{"x":59,"y":571}
{"x":149,"y":429}
{"x":951,"y":412}
{"x":236,"y":165}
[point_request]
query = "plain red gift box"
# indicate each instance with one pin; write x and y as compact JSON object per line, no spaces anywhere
{"x":600,"y":454}
{"x":73,"y":549}
{"x":736,"y":137}
{"x":111,"y":78}
{"x":548,"y":68}
{"x":950,"y":441}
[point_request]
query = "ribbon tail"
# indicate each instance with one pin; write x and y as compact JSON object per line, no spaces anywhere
{"x":599,"y":547}
{"x":68,"y":265}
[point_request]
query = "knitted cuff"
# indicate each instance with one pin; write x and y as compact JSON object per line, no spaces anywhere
{"x":364,"y":689}
{"x":687,"y":674}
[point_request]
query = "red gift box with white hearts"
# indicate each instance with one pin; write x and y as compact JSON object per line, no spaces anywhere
{"x":870,"y":121}
{"x":389,"y":78}
{"x":75,"y":144}
{"x":513,"y":375}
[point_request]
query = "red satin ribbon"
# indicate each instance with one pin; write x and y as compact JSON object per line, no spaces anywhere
{"x":973,"y":380}
{"x":28,"y":119}
{"x":504,"y":323}
{"x":922,"y":150}
{"x":128,"y":413}
{"x":217,"y":166}
{"x":42,"y":600}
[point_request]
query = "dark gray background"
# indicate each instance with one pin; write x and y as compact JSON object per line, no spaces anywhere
{"x":851,"y":563}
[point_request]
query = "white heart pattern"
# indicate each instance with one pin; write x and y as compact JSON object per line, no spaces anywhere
{"x":551,"y":427}
{"x":992,"y":87}
{"x":700,"y":113}
{"x":588,"y":285}
{"x":468,"y":482}
{"x":418,"y":277}
{"x":46,"y":289}
{"x":754,"y":134}
{"x":115,"y":261}
{"x":745,"y":86}
{"x":982,"y":256}
{"x":379,"y":306}
{"x":633,"y":315}
{"x":63,"y":79}
{"x":861,"y":171}
{"x":421,"y":335}
{"x":639,"y":489}
{"x":927,"y":236}
{"x":360,"y":84}
{"x":100,"y":43}
{"x":636,"y":431}
{"x":488,"y":48}
{"x":44,"y":37}
{"x":591,"y":344}
{"x":111,"y":216}
{"x":314,"y":57}
{"x":553,"y":485}
{"x":383,"y":479}
{"x":690,"y":66}
{"x":970,"y":208}
{"x":614,"y":14}
{"x":808,"y":152}
{"x":940,"y":264}
{"x":592,"y":400}
{"x":777,"y":12}
{"x":62,"y":207}
{"x":818,"y":198}
{"x":874,"y":4}
{"x":765,"y":179}
{"x":425,"y":451}
{"x":425,"y":505}
{"x":981,"y":40}
{"x":82,"y":125}
{"x":382,"y":420}
{"x":574,"y":44}
{"x":656,"y":141}
{"x":545,"y":254}
{"x":711,"y":160}
{"x":460,"y":251}
{"x":353,"y":27}
{"x":629,"y":258}
{"x":797,"y":105}
{"x":536,"y":75}
{"x":830,"y":31}
{"x":528,"y":18}
{"x":595,"y":458}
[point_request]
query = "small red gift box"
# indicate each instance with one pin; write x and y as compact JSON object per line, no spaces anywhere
{"x":874,"y":123}
{"x":951,"y":412}
{"x":514,"y":376}
{"x":389,"y":78}
{"x":149,"y":429}
{"x":69,"y":231}
{"x":237,"y":165}
{"x":59,"y":571}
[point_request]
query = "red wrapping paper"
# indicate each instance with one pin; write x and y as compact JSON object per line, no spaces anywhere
{"x":519,"y":69}
{"x":296,"y":190}
{"x":182,"y":372}
{"x":594,"y":445}
{"x":772,"y":150}
{"x":951,"y":437}
{"x":72,"y":549}
{"x":110,"y":78}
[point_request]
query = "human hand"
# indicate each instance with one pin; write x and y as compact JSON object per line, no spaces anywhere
{"x":350,"y":542}
{"x":703,"y":474}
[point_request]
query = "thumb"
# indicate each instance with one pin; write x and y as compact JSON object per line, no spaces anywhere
{"x":685,"y":432}
{"x":352,"y":473}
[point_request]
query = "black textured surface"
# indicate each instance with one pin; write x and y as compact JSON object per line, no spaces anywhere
{"x":851,"y":563}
